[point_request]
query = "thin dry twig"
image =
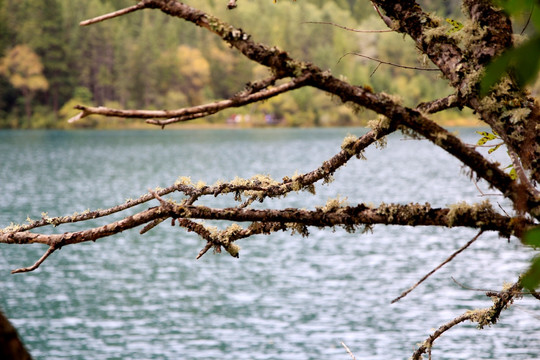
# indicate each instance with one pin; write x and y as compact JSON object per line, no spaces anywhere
{"x":403,"y":294}
{"x":438,"y":105}
{"x":491,"y":292}
{"x":49,"y":251}
{"x":426,"y":346}
{"x":113,"y":14}
{"x":347,"y":28}
{"x":388,"y":63}
{"x":348,"y":350}
{"x":195,"y":112}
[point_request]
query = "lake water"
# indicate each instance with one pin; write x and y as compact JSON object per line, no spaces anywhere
{"x":286,"y":297}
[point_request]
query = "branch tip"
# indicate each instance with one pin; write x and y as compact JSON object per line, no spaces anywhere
{"x":49,"y":251}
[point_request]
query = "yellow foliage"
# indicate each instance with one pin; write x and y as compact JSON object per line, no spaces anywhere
{"x":23,"y":68}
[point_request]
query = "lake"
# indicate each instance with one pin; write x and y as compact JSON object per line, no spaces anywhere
{"x":137,"y":296}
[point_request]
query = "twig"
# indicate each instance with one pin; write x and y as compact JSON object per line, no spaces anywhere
{"x":521,"y":174}
{"x":468,"y":287}
{"x":438,"y":105}
{"x":348,"y":350}
{"x":426,"y":346}
{"x":199,"y":111}
{"x":528,"y":20}
{"x":114,"y":14}
{"x":204,"y":250}
{"x":232,"y":4}
{"x":346,"y":28}
{"x":49,"y":251}
{"x":388,"y":63}
{"x":151,"y":225}
{"x":438,"y":267}
{"x":384,"y":18}
{"x":492,"y":292}
{"x":375,"y":70}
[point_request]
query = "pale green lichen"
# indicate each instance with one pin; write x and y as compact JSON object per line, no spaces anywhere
{"x":298,"y":228}
{"x":328,"y":179}
{"x":334,"y":204}
{"x":233,"y":249}
{"x":200,"y":184}
{"x":517,"y":115}
{"x":461,"y":209}
{"x":380,"y":124}
{"x":347,"y":143}
{"x":12,"y":228}
{"x":183,"y":180}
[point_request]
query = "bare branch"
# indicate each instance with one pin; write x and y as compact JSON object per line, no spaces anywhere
{"x":438,"y":105}
{"x":139,"y":6}
{"x":49,"y":251}
{"x":388,"y":63}
{"x":195,"y":112}
{"x":348,"y":350}
{"x":405,"y":293}
{"x":426,"y":346}
{"x":87,"y":215}
{"x":347,"y":28}
{"x":483,"y":317}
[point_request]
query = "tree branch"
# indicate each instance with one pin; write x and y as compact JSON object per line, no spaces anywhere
{"x":461,"y":249}
{"x":347,"y":28}
{"x":483,"y":317}
{"x":438,"y":105}
{"x":388,"y":63}
{"x":37,"y":263}
{"x":114,"y":14}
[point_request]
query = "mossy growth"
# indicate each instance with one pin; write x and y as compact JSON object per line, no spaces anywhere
{"x":348,"y":144}
{"x":334,"y":204}
{"x":464,"y":211}
{"x":183,"y":180}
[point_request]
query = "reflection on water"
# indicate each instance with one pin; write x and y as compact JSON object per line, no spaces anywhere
{"x":286,"y":297}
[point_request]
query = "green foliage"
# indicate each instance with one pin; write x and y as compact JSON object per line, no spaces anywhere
{"x":456,"y":25}
{"x":531,"y":278}
{"x":135,"y":61}
{"x":532,"y":237}
{"x":486,"y":136}
{"x":522,"y":62}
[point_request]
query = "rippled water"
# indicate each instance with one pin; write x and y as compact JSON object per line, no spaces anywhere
{"x":286,"y":297}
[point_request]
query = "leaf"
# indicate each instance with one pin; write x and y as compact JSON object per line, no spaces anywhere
{"x":456,"y":25}
{"x":513,"y":174}
{"x":522,"y":62}
{"x":531,"y":278}
{"x":494,"y":148}
{"x":516,"y":7}
{"x":485,"y":137}
{"x":532,"y":237}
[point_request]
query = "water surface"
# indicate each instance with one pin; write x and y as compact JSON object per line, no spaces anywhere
{"x":286,"y":297}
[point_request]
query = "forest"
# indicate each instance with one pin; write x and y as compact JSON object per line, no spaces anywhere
{"x":49,"y":64}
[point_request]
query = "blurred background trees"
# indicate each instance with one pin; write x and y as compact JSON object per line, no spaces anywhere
{"x":148,"y":61}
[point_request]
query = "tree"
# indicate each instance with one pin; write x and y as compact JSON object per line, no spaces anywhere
{"x":460,"y":52}
{"x":24,"y":70}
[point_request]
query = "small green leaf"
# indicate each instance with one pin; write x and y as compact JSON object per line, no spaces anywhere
{"x":522,"y":62}
{"x":494,"y":148}
{"x":531,"y":279}
{"x":532,"y":237}
{"x":513,"y":174}
{"x":485,"y":137}
{"x":456,"y":25}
